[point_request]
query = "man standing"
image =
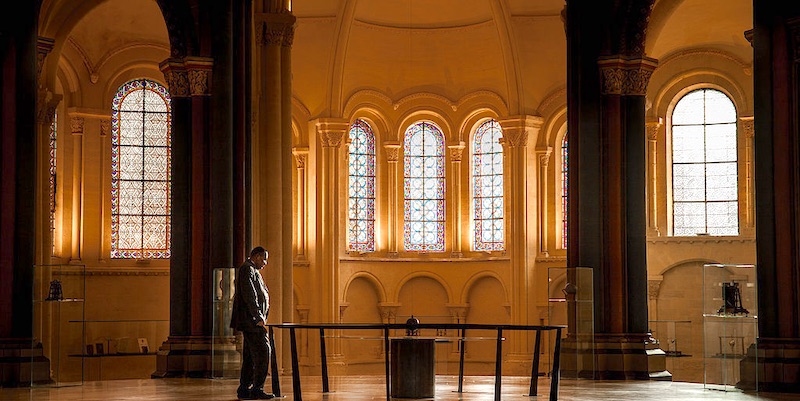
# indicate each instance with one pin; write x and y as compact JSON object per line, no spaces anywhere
{"x":250,"y":311}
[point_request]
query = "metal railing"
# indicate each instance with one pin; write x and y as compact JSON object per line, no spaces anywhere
{"x":462,"y":328}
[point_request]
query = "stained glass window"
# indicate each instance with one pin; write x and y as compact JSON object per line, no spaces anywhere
{"x":564,"y":191}
{"x":487,"y":188}
{"x":423,"y":174}
{"x":361,"y":215}
{"x":140,"y":171}
{"x":53,"y":136}
{"x":704,"y":171}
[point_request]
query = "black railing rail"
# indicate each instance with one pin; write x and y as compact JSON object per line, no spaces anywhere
{"x":386,"y":327}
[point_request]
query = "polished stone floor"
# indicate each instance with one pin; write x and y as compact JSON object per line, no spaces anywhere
{"x":360,"y":388}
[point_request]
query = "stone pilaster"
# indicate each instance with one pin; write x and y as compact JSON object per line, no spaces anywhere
{"x":543,"y":156}
{"x":456,"y":152}
{"x":300,"y":156}
{"x":392,"y":157}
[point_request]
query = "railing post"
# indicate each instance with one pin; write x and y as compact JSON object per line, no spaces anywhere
{"x":386,"y":360}
{"x":276,"y":380}
{"x":324,"y":360}
{"x":498,"y":365}
{"x":556,"y":367}
{"x":461,"y":361}
{"x":298,"y":395}
{"x":535,"y":365}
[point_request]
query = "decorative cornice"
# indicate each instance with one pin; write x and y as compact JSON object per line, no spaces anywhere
{"x":626,"y":76}
{"x":456,"y":151}
{"x":392,"y":152}
{"x":704,"y":239}
{"x":747,"y":126}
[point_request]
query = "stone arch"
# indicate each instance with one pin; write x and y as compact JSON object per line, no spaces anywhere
{"x":370,"y":278}
{"x":424,"y":274}
{"x":470,"y":284}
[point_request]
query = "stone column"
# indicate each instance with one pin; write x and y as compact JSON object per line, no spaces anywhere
{"x":300,"y":156}
{"x":392,"y":157}
{"x":652,"y":128}
{"x":46,"y":103}
{"x":747,"y":130}
{"x":455,"y":158}
{"x":76,"y":129}
{"x":518,"y":132}
{"x":105,"y":191}
{"x":543,"y":199}
{"x":776,"y":78}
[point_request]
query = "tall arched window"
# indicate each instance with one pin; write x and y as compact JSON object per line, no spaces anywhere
{"x":140,"y":171}
{"x":487,"y":188}
{"x":361,"y":199}
{"x":704,"y":171}
{"x":423,"y":174}
{"x":564,"y":191}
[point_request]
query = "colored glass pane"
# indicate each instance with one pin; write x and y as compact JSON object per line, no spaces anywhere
{"x":704,"y":165}
{"x":564,"y":190}
{"x":423,"y":174}
{"x":140,"y":171}
{"x":361,"y":200}
{"x":487,"y":188}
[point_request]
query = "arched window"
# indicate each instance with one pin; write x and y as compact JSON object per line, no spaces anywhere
{"x":704,"y":171}
{"x":564,"y":190}
{"x":140,"y":171}
{"x":487,"y":188}
{"x":423,"y":174}
{"x":361,"y":214}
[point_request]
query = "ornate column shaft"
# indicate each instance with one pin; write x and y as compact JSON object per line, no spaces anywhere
{"x":518,"y":132}
{"x":392,"y":157}
{"x":455,"y":158}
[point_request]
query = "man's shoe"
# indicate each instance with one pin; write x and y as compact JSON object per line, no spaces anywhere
{"x":244,"y":394}
{"x":261,"y":395}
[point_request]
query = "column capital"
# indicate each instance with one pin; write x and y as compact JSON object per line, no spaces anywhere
{"x":176,"y":76}
{"x":274,"y":29}
{"x":392,"y":151}
{"x":458,"y":311}
{"x":388,"y":310}
{"x":331,"y":131}
{"x":456,"y":151}
{"x":105,"y":127}
{"x":300,"y":155}
{"x":518,"y":129}
{"x":46,"y":106}
{"x":747,"y":125}
{"x":76,"y":125}
{"x":188,"y":76}
{"x":624,"y":75}
{"x":652,"y":127}
{"x":544,"y":155}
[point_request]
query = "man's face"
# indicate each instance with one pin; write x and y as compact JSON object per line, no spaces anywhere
{"x":260,"y":260}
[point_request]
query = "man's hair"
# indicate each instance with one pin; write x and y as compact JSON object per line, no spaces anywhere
{"x":259,"y":250}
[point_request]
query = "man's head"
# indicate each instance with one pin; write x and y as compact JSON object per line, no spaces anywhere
{"x":259,"y":257}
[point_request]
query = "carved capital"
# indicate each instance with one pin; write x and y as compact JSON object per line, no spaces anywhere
{"x":76,"y":125}
{"x":198,"y":82}
{"x":392,"y":152}
{"x":105,"y":127}
{"x":388,"y":311}
{"x":331,"y":131}
{"x":626,"y":76}
{"x":300,"y":155}
{"x":275,"y":29}
{"x":456,"y":151}
{"x":46,"y":106}
{"x":516,"y":130}
{"x":458,"y":312}
{"x":544,"y":156}
{"x":653,"y":288}
{"x":747,"y":127}
{"x":176,"y":77}
{"x":652,"y":127}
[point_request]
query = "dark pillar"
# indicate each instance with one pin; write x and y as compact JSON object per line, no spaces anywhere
{"x":776,"y":45}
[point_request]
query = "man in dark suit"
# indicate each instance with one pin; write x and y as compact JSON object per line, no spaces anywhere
{"x":250,"y":311}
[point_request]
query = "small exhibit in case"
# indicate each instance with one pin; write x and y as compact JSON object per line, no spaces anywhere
{"x":143,"y":348}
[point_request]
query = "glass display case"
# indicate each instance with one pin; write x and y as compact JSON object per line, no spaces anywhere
{"x":730,"y":325}
{"x":120,"y":349}
{"x":225,"y":345}
{"x":571,"y":303}
{"x":59,"y":293}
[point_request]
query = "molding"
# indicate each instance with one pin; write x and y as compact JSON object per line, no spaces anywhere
{"x":747,"y":68}
{"x":373,"y":259}
{"x":702,"y":240}
{"x":122,"y":271}
{"x":424,"y":30}
{"x":545,"y":259}
{"x":424,"y":95}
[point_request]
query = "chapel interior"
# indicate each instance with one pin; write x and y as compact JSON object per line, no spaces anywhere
{"x":608,"y":166}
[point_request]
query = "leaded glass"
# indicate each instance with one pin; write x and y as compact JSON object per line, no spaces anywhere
{"x":704,"y":166}
{"x":140,"y":171}
{"x":53,"y":136}
{"x":564,"y":190}
{"x":423,"y":174}
{"x":487,"y":188}
{"x":361,"y":214}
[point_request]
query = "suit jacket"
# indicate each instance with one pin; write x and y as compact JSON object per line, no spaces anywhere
{"x":250,"y":299}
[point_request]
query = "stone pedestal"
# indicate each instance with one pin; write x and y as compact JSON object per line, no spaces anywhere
{"x":412,"y":370}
